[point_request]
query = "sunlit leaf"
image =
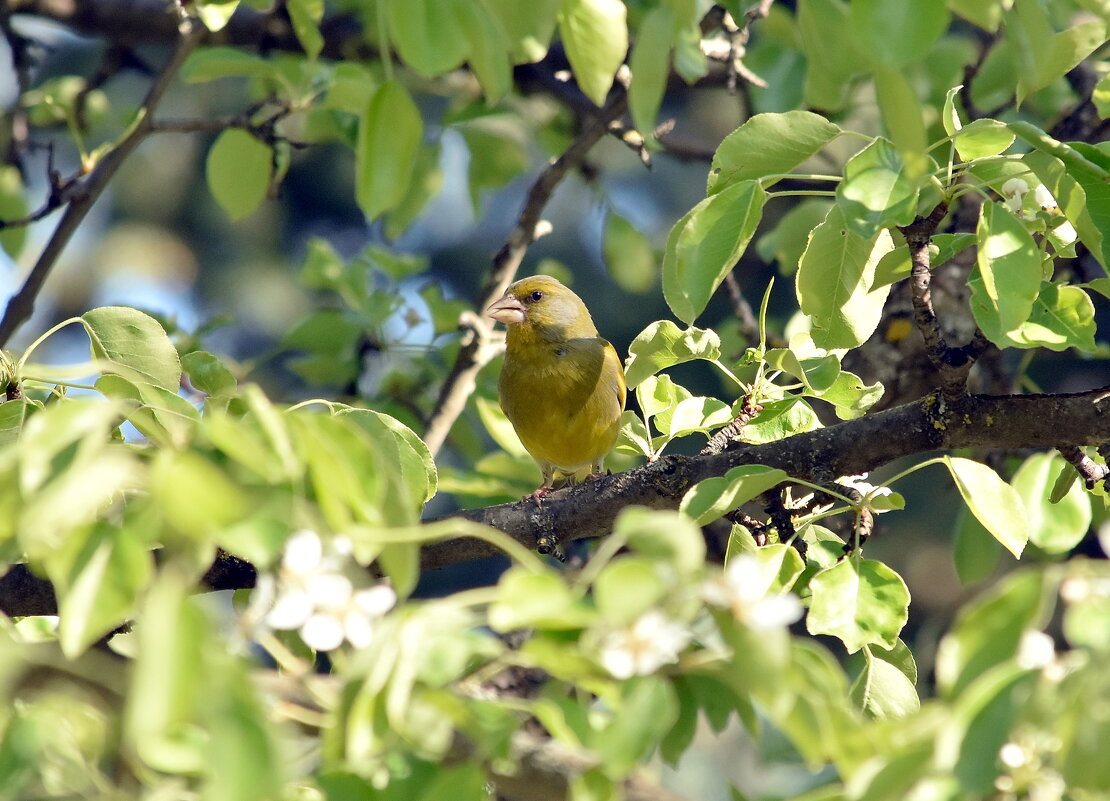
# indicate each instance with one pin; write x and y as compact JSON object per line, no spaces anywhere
{"x":663,"y":344}
{"x":835,"y":282}
{"x":994,"y":503}
{"x":860,"y":601}
{"x":713,"y":497}
{"x":136,"y":342}
{"x":705,"y":244}
{"x":595,"y":36}
{"x":769,"y":144}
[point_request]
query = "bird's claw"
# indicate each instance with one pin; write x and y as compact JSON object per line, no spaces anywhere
{"x":537,"y":495}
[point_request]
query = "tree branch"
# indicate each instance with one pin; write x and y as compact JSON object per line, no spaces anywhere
{"x":87,"y":189}
{"x":931,"y":423}
{"x":952,"y":363}
{"x":850,"y":448}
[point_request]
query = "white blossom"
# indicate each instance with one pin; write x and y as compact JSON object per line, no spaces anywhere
{"x":1014,"y":191}
{"x":312,"y":594}
{"x":870,"y":491}
{"x":1036,"y":650}
{"x":744,"y":589}
{"x":649,"y":643}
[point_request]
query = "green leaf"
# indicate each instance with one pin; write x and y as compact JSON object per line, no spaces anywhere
{"x":196,"y":496}
{"x":208,"y":374}
{"x":987,"y":15}
{"x":974,"y":549}
{"x":489,"y":57}
{"x":994,"y":503}
{"x":1043,"y":54}
{"x":786,"y":242}
{"x":983,"y":138}
{"x":705,"y":245}
{"x":389,"y":136}
{"x":1007,"y":279}
{"x":817,"y":373}
{"x":627,"y":588}
{"x":1100,"y":95}
{"x":305,"y":16}
{"x":988,"y":631}
{"x":650,"y":64}
{"x":535,"y":599}
{"x":861,"y":601}
{"x":850,"y":396}
{"x":12,"y":415}
{"x":529,"y":26}
{"x":159,"y":414}
{"x":663,"y":344}
{"x":97,"y":578}
{"x":656,"y":394}
{"x":426,"y":36}
{"x":134,"y":343}
{"x":595,"y":36}
{"x":628,"y":254}
{"x":769,"y":144}
{"x":215,"y":14}
{"x":902,"y":116}
{"x":1053,"y":527}
{"x":780,"y":419}
{"x":1063,"y":317}
{"x":647,"y":709}
{"x":835,"y":282}
{"x":896,"y":33}
{"x":405,"y":452}
{"x":498,"y":154}
{"x":238,"y":170}
{"x":982,"y":722}
{"x":1071,"y":197}
{"x":713,"y":497}
{"x":832,"y":59}
{"x":693,"y":414}
{"x":877,"y":191}
{"x":13,"y":206}
{"x":885,"y":687}
{"x":663,"y":535}
{"x":170,"y":680}
{"x":212,"y":63}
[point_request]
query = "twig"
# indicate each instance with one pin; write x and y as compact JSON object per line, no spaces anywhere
{"x":476,"y":352}
{"x":21,"y":62}
{"x":952,"y":363}
{"x":88,"y":188}
{"x":722,"y":438}
{"x":1089,"y":470}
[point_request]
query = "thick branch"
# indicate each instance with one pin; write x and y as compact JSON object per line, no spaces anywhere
{"x":850,"y":448}
{"x":88,"y":189}
{"x":857,"y":446}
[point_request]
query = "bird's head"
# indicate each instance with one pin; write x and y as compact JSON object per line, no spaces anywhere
{"x":544,"y":308}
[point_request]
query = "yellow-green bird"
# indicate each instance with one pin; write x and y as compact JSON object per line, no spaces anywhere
{"x":562,"y":386}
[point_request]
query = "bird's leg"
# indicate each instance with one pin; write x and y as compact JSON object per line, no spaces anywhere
{"x":544,"y":488}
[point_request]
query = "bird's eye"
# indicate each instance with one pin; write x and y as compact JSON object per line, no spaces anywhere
{"x":535,"y":296}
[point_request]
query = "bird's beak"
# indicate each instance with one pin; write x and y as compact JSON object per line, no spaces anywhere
{"x":508,"y":310}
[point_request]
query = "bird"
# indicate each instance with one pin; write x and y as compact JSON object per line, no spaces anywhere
{"x":562,"y":386}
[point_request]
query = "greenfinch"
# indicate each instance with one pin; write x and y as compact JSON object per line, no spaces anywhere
{"x":562,"y":386}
